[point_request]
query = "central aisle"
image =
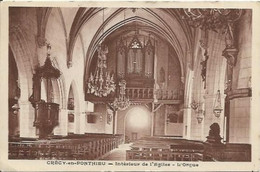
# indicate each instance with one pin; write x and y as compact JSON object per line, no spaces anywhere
{"x":118,"y":153}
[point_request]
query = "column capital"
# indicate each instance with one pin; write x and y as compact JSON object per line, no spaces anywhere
{"x":213,"y":96}
{"x":41,"y":41}
{"x":231,"y":55}
{"x":239,"y":93}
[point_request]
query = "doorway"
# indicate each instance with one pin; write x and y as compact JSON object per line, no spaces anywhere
{"x":137,"y":124}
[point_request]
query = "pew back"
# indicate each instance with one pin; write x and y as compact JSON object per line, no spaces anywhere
{"x":87,"y":147}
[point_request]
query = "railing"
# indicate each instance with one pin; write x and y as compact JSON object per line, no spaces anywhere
{"x":139,"y":93}
{"x":167,"y":94}
{"x":150,"y":93}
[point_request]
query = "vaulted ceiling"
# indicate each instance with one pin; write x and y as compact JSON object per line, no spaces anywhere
{"x":165,"y":22}
{"x":95,"y":24}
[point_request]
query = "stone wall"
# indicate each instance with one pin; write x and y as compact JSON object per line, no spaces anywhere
{"x":240,"y":111}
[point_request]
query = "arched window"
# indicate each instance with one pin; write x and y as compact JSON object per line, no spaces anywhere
{"x":71,"y":100}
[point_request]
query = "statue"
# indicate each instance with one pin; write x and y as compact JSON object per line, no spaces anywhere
{"x":204,"y":68}
{"x":214,"y":136}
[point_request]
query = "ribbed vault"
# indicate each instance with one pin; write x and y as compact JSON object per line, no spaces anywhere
{"x":166,"y":23}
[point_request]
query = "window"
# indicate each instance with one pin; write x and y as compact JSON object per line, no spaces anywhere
{"x":175,"y":118}
{"x":91,"y":118}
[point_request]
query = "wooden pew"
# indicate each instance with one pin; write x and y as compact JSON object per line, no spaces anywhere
{"x":84,"y":147}
{"x":227,"y":152}
{"x":165,"y":149}
{"x":37,"y":151}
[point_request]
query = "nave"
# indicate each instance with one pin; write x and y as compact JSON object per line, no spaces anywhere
{"x":150,"y":84}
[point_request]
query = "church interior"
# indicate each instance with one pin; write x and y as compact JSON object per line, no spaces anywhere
{"x":161,"y":84}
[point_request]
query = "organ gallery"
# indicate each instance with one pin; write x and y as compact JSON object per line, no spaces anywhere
{"x":127,"y":84}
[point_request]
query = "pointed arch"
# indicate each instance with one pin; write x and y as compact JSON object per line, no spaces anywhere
{"x":73,"y":87}
{"x":22,"y":54}
{"x":98,"y":38}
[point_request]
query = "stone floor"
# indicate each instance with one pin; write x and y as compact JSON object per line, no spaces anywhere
{"x":118,"y":153}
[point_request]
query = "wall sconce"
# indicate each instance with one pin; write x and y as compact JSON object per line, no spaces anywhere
{"x":194,"y":105}
{"x":199,"y":118}
{"x":71,"y":117}
{"x":200,"y":115}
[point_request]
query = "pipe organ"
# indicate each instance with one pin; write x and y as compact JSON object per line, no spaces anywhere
{"x":135,"y":62}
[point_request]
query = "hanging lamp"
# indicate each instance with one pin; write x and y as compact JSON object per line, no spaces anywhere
{"x":199,"y":118}
{"x":217,"y":105}
{"x":101,"y":83}
{"x":200,"y":113}
{"x":217,"y":108}
{"x":122,"y":102}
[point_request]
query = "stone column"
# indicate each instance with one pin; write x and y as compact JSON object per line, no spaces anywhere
{"x":165,"y":122}
{"x":82,"y":122}
{"x":239,"y":92}
{"x":152,"y":124}
{"x":62,"y":128}
{"x":187,"y":101}
{"x":187,"y":123}
{"x":239,"y":116}
{"x":77,"y":119}
{"x":26,"y":113}
{"x":114,"y":122}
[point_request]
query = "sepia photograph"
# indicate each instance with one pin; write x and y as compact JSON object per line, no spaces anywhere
{"x":120,"y":85}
